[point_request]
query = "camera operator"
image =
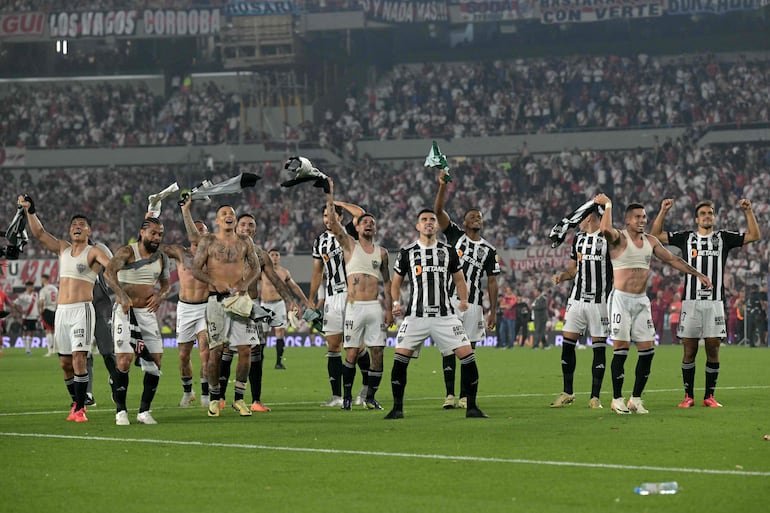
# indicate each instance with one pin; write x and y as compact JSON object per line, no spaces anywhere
{"x":756,"y":316}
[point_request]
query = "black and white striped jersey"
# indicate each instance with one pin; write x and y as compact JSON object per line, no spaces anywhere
{"x":478,"y":258}
{"x":593,"y":280}
{"x":328,"y":249}
{"x":708,"y":254}
{"x":429,"y":270}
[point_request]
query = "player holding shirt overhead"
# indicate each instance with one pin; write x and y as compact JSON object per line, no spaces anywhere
{"x":79,"y":264}
{"x":329,"y":262}
{"x":631,"y":250}
{"x":703,"y":309}
{"x":478,"y":258}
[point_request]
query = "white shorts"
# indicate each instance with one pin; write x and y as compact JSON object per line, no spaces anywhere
{"x":334,"y":313}
{"x":587,"y":318}
{"x":364,"y":322}
{"x":229,"y":330}
{"x":148,"y":324}
{"x":74,"y":327}
{"x":190,"y":320}
{"x":630,"y":317}
{"x":447,"y":333}
{"x":472,"y":319}
{"x":279,"y":313}
{"x":702,"y":319}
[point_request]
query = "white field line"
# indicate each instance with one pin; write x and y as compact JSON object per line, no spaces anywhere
{"x":407,"y":400}
{"x":442,"y":457}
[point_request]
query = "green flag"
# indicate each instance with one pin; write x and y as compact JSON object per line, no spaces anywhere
{"x":437,"y":159}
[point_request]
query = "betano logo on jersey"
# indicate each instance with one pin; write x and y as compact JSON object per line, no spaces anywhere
{"x":695,"y":253}
{"x":590,"y":258}
{"x":330,"y":254}
{"x":419,"y":269}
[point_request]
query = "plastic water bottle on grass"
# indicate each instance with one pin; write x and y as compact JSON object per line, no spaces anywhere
{"x":667,"y":488}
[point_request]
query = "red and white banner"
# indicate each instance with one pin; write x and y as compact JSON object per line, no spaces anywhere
{"x":12,"y":157}
{"x":536,"y":258}
{"x":22,"y":25}
{"x":15,"y":273}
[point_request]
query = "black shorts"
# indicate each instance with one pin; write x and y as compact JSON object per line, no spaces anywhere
{"x":29,"y":325}
{"x":49,"y":318}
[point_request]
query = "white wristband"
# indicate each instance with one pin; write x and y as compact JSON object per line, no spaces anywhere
{"x":608,"y":204}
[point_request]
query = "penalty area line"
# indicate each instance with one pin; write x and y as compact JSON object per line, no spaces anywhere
{"x":437,"y":457}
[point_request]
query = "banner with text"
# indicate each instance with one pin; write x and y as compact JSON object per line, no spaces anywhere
{"x":260,"y":8}
{"x":405,"y":11}
{"x":495,"y":10}
{"x":536,"y":258}
{"x":134,"y":23}
{"x":587,"y":11}
{"x":690,"y":7}
{"x":22,"y":25}
{"x":12,"y":156}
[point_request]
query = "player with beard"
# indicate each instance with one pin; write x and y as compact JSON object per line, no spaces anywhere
{"x":247,"y":226}
{"x":366,"y":268}
{"x":79,"y":264}
{"x":328,"y":262}
{"x":191,"y":309}
{"x":137,"y":269}
{"x":228,"y":263}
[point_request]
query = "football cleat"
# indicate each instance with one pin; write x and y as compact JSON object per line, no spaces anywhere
{"x":449,"y":402}
{"x":687,"y":402}
{"x":334,"y":402}
{"x":241,"y":408}
{"x":144,"y":417}
{"x":187,"y":399}
{"x":710,"y":402}
{"x":258,"y":406}
{"x":618,"y":405}
{"x":563,"y":400}
{"x":635,"y":404}
{"x":121,"y":418}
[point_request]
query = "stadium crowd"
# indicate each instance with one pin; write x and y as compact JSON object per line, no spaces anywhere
{"x":521,"y":195}
{"x":557,"y":94}
{"x":448,"y":100}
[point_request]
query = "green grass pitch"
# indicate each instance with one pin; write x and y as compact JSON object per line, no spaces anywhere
{"x":300,"y":457}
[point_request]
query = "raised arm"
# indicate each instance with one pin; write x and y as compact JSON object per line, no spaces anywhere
{"x":354,"y":209}
{"x":752,"y":233}
{"x":657,"y":224}
{"x":610,"y":233}
{"x":189,"y":224}
{"x":345,"y":240}
{"x":438,"y":203}
{"x":50,"y":242}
